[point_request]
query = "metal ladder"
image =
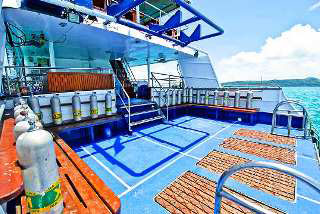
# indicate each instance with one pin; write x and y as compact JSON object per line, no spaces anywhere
{"x":290,"y":113}
{"x":265,"y":165}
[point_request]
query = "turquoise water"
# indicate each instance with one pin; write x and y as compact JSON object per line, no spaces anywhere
{"x":310,"y":98}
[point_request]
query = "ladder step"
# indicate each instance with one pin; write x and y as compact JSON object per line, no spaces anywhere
{"x":142,"y":112}
{"x":137,"y":105}
{"x":146,"y":120}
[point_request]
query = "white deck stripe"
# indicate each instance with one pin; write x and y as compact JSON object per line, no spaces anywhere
{"x":301,"y":156}
{"x":172,"y":162}
{"x":309,"y":199}
{"x":106,"y":168}
{"x":167,"y":147}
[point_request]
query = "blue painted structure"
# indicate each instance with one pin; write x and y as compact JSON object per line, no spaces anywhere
{"x":175,"y":21}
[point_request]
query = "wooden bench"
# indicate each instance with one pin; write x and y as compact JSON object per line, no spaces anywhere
{"x":11,"y":182}
{"x":231,"y":113}
{"x":83,"y":191}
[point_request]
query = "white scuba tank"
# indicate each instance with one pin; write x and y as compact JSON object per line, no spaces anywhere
{"x":236,"y":99}
{"x":94,"y":112}
{"x":190,"y":100}
{"x":56,"y":109}
{"x":36,"y":155}
{"x":108,"y":103}
{"x":216,"y":97}
{"x":34,"y":104}
{"x":225,"y":98}
{"x":179,"y":97}
{"x":249,"y":99}
{"x":22,"y":108}
{"x":206,"y":97}
{"x":173,"y":97}
{"x":76,"y":107}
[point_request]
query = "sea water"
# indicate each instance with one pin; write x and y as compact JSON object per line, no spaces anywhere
{"x":310,"y":98}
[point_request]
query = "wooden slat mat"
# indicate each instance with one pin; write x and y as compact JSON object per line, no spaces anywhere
{"x":191,"y":193}
{"x":269,"y":152}
{"x":267,"y":180}
{"x":259,"y":135}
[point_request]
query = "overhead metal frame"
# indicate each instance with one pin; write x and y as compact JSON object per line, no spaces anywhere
{"x":175,"y":21}
{"x":115,"y":13}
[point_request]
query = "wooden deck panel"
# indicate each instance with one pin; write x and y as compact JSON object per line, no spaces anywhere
{"x":259,"y":135}
{"x":269,"y":152}
{"x":267,"y":180}
{"x":192,"y":193}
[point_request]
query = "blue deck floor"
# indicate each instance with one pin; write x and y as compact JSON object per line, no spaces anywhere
{"x":140,"y":166}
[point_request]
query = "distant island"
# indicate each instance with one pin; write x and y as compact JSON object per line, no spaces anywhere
{"x":307,"y":82}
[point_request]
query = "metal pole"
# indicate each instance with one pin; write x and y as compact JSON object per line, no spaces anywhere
{"x":138,"y":13}
{"x":52,"y":56}
{"x":289,"y":123}
{"x":148,"y":66}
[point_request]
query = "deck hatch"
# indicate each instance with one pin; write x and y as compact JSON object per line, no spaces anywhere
{"x":267,"y":180}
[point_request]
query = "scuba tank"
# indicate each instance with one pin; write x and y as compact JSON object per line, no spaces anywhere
{"x":225,"y":98}
{"x":56,"y":109}
{"x":76,"y":107}
{"x":94,"y":105}
{"x":206,"y":97}
{"x":179,"y":97}
{"x":216,"y":97}
{"x":109,"y":103}
{"x":36,"y":155}
{"x":249,"y":99}
{"x":34,"y":104}
{"x":237,"y":99}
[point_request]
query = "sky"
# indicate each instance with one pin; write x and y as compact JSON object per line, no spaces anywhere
{"x":263,"y":39}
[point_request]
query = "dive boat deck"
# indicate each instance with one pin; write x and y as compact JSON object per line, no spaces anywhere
{"x":174,"y":167}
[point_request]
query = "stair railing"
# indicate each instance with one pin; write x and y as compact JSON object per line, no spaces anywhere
{"x":127,"y":106}
{"x":129,"y":71}
{"x":220,"y":192}
{"x":153,"y":78}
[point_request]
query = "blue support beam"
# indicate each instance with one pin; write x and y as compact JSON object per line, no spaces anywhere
{"x":186,"y":22}
{"x":171,"y":23}
{"x":123,"y":7}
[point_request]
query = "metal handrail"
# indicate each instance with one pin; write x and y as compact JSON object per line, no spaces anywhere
{"x":125,"y":105}
{"x":266,"y":165}
{"x":165,"y":99}
{"x":288,"y":102}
